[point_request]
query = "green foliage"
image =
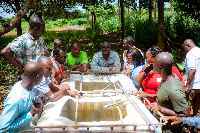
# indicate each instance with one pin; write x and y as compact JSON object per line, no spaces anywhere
{"x":181,"y":65}
{"x":188,"y":7}
{"x":78,"y":21}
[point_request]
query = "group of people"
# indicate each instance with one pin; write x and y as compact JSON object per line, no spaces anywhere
{"x":157,"y":78}
{"x":161,"y":83}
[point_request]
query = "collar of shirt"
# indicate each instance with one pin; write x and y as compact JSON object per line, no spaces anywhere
{"x":110,"y":57}
{"x":36,"y":41}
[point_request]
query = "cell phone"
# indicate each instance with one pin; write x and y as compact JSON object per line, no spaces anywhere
{"x":69,"y":67}
{"x":37,"y":100}
{"x":148,"y":69}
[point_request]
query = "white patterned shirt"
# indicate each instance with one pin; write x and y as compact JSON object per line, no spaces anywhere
{"x":100,"y":65}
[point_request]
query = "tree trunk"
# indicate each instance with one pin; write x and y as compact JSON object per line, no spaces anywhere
{"x":88,"y":18}
{"x":150,"y":9}
{"x":172,"y":7}
{"x":17,"y":18}
{"x":161,"y":24}
{"x":19,"y":28}
{"x":154,"y":9}
{"x":119,"y":10}
{"x":122,"y":17}
{"x":140,"y":7}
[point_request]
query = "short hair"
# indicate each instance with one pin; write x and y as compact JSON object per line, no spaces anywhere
{"x":129,"y":40}
{"x":35,"y":22}
{"x":136,"y":56}
{"x":75,"y":43}
{"x":57,"y":50}
{"x":43,"y":60}
{"x":154,"y":51}
{"x":57,"y":41}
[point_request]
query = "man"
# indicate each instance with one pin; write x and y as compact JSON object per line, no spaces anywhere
{"x":105,"y":61}
{"x":58,"y":59}
{"x":18,"y":108}
{"x":77,"y":58}
{"x":170,"y":96}
{"x":192,"y":76}
{"x":46,"y":88}
{"x":29,"y":46}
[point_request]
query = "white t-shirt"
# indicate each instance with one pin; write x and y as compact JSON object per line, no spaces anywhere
{"x":192,"y":61}
{"x":43,"y":87}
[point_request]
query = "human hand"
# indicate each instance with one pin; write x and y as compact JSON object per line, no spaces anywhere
{"x":127,"y":72}
{"x":74,"y":94}
{"x":148,"y":69}
{"x":65,"y":74}
{"x":36,"y":109}
{"x":65,"y":66}
{"x":154,"y":107}
{"x":186,"y":89}
{"x":175,"y":119}
{"x":111,"y":69}
{"x":140,"y":94}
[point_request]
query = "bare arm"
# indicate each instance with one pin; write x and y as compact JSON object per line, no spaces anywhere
{"x":63,"y":75}
{"x":82,"y":68}
{"x":58,"y":93}
{"x":138,"y":79}
{"x":190,"y":78}
{"x":8,"y":55}
{"x":156,"y":107}
{"x":145,"y":95}
{"x":54,"y":87}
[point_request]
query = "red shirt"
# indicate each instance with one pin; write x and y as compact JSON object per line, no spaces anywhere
{"x":152,"y":80}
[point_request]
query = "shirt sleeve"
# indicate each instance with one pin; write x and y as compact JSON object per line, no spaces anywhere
{"x":42,"y":88}
{"x":84,"y":58}
{"x":178,"y":100}
{"x":11,"y":118}
{"x":192,"y":121}
{"x":191,"y":61}
{"x":16,"y":45}
{"x":95,"y":67}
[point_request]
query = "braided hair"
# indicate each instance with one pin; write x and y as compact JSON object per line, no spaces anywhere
{"x":136,"y":56}
{"x":154,"y":51}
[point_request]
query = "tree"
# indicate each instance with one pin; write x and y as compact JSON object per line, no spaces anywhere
{"x":161,"y":24}
{"x":189,"y":7}
{"x":17,"y":18}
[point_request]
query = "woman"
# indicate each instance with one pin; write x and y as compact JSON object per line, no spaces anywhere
{"x":147,"y":78}
{"x":135,"y":61}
